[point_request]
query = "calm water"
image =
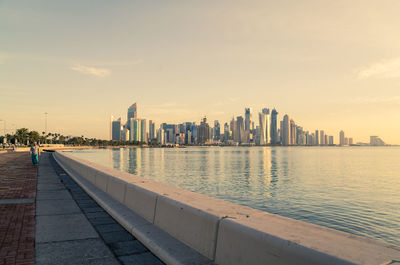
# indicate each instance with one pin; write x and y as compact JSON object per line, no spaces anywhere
{"x":353,"y":189}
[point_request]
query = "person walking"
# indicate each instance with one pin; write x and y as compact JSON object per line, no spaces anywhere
{"x":35,"y":152}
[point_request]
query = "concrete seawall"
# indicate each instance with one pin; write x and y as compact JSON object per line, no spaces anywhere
{"x":183,"y":227}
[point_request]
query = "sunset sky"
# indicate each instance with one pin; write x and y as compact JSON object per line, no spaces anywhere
{"x":329,"y":65}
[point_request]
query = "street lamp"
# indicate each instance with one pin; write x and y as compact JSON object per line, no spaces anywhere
{"x":45,"y":122}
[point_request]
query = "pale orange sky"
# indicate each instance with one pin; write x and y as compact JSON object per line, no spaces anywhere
{"x":329,"y":65}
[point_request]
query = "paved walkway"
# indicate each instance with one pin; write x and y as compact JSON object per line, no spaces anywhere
{"x":69,"y":228}
{"x":17,"y":208}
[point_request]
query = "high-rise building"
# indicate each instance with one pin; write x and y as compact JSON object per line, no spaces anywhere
{"x":274,"y":127}
{"x":330,"y":140}
{"x":240,"y":130}
{"x":293,"y":132}
{"x":376,"y":141}
{"x":285,"y":130}
{"x":322,"y":137}
{"x":116,"y":130}
{"x":152,"y":131}
{"x":135,"y":130}
{"x":263,"y":132}
{"x":143,"y":131}
{"x":132,"y":114}
{"x":341,"y":138}
{"x":316,"y":137}
{"x":125,"y":134}
{"x":217,"y":131}
{"x":203,"y":132}
{"x":350,"y":141}
{"x":247,"y":119}
{"x":233,"y":129}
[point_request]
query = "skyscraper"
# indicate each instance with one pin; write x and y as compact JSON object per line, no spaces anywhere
{"x":143,"y":131}
{"x":116,"y":130}
{"x":132,"y":112}
{"x":285,"y":130}
{"x":316,"y":137}
{"x":341,"y":138}
{"x":203,"y":132}
{"x":264,"y":128}
{"x":247,"y":119}
{"x":322,"y":137}
{"x":274,"y":127}
{"x":152,"y":131}
{"x":217,"y":131}
{"x":240,"y":129}
{"x":293,"y":133}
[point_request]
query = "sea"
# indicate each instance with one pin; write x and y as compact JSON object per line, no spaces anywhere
{"x":351,"y":189}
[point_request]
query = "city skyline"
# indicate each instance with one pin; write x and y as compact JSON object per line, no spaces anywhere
{"x":237,"y":131}
{"x":329,"y":64}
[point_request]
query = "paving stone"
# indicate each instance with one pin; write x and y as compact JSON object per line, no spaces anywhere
{"x":110,"y":228}
{"x":63,"y":227}
{"x":128,"y":248}
{"x":144,"y":258}
{"x":50,"y":186}
{"x":52,"y":207}
{"x":97,"y":215}
{"x":119,"y":236}
{"x":92,"y":209}
{"x":54,"y":195}
{"x":87,"y":251}
{"x":102,"y":221}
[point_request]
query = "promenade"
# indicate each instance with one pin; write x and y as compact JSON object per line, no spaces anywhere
{"x":46,"y":218}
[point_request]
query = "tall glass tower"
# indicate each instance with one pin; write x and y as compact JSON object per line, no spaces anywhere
{"x":274,"y":127}
{"x":132,"y":113}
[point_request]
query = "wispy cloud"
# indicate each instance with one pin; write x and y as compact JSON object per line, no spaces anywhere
{"x":393,"y":99}
{"x":94,"y":71}
{"x":385,"y":69}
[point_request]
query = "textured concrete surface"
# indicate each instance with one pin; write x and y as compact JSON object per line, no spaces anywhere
{"x":111,"y":243}
{"x":63,"y":233}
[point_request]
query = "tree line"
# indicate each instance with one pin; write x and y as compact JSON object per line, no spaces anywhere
{"x":23,"y":136}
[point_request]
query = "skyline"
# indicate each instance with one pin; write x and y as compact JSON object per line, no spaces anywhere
{"x":331,"y":65}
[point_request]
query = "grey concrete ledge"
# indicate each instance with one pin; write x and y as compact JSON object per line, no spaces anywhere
{"x":167,"y":218}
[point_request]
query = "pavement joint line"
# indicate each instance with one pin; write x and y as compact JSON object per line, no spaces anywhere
{"x":17,"y":201}
{"x":91,"y":203}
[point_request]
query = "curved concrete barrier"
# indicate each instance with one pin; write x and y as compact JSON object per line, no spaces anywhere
{"x":213,"y":230}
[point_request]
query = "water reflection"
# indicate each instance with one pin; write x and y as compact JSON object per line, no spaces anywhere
{"x":351,"y":189}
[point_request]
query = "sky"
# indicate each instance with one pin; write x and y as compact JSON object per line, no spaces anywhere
{"x":329,"y":65}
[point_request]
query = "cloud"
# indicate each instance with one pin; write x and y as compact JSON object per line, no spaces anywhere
{"x":394,"y":99}
{"x":385,"y":69}
{"x":95,"y":71}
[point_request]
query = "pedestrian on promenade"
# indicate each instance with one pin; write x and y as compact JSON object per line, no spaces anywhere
{"x":35,"y":152}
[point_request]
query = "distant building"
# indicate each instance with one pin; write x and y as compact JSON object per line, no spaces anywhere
{"x":125,"y":134}
{"x":135,"y":130}
{"x":316,"y":137}
{"x":132,"y":114}
{"x":240,"y":130}
{"x":247,"y":119}
{"x":217,"y":131}
{"x":116,"y":130}
{"x":285,"y":130}
{"x":376,"y":141}
{"x":263,"y":133}
{"x":330,"y":140}
{"x":350,"y":141}
{"x":143,"y":131}
{"x":322,"y":137}
{"x":293,"y":132}
{"x":152,"y":131}
{"x":341,"y":138}
{"x":203,"y":132}
{"x":274,"y":127}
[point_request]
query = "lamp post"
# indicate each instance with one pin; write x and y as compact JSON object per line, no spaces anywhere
{"x":45,"y":122}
